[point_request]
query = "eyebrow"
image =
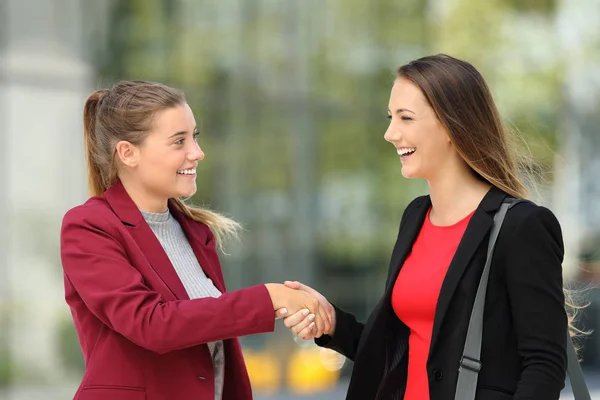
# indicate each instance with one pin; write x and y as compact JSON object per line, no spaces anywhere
{"x":398,"y":111}
{"x":183,"y":132}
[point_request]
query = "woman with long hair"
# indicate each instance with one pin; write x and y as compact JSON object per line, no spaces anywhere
{"x":445,"y":128}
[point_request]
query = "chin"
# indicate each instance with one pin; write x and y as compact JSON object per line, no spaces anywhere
{"x":180,"y":191}
{"x":189,"y":192}
{"x":409,"y":173}
{"x":185,"y":193}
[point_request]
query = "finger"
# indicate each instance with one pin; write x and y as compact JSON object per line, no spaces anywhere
{"x":325,"y":317}
{"x":308,"y":289}
{"x":281,"y":313}
{"x":301,"y":286}
{"x":326,"y":321}
{"x":292,"y":284}
{"x":330,"y":314}
{"x":307,"y":333}
{"x":305,"y":323}
{"x":315,"y":307}
{"x":319,"y":322}
{"x":295,"y":318}
{"x":332,"y":317}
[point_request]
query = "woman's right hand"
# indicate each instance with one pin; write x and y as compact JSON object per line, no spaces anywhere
{"x":296,"y":302}
{"x":300,"y":324}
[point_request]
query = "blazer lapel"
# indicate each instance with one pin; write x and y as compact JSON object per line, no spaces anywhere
{"x":477,"y":229}
{"x":128,"y":212}
{"x":406,"y":237}
{"x":197,"y":239}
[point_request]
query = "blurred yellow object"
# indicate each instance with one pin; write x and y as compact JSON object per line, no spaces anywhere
{"x":313,"y":370}
{"x":264,"y":370}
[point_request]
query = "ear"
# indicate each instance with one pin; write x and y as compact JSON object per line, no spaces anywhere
{"x":448,"y":138}
{"x":128,"y":153}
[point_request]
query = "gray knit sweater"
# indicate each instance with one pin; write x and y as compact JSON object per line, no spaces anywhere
{"x":196,"y":283}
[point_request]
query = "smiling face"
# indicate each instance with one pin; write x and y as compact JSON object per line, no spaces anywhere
{"x":421,"y":141}
{"x":164,"y":165}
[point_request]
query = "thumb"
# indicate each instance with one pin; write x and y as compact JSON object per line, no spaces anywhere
{"x":280,"y":313}
{"x":293,"y":284}
{"x":300,"y":286}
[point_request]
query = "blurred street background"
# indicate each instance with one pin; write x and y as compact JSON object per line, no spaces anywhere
{"x":291,"y":99}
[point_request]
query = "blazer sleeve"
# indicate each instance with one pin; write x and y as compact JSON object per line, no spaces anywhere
{"x":535,"y":288}
{"x":97,"y":266}
{"x":348,"y":330}
{"x":346,"y":336}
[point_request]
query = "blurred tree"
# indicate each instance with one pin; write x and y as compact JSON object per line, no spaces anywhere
{"x":503,"y":42}
{"x":291,"y":98}
{"x":68,"y":343}
{"x":547,"y":7}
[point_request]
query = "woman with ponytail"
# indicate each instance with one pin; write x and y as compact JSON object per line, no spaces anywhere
{"x":141,"y":270}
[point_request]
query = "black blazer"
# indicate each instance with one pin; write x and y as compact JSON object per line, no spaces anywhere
{"x":525,"y":324}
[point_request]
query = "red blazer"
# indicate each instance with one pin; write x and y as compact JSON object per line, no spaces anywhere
{"x":142,"y":338}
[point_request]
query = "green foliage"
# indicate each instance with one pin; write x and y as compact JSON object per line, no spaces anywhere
{"x":69,"y":348}
{"x":5,"y":370}
{"x":279,"y":88}
{"x":539,"y":6}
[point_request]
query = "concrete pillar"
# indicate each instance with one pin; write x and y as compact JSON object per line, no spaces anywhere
{"x":43,"y":84}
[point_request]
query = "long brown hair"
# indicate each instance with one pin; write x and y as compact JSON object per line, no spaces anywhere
{"x":464,"y":105}
{"x":126,"y":112}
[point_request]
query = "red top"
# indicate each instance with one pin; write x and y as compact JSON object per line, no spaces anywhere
{"x":416,"y":291}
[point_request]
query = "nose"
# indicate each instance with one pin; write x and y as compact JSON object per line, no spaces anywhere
{"x":391,"y":135}
{"x":196,"y":154}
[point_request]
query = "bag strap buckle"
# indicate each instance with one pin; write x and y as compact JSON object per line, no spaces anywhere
{"x":471,"y":364}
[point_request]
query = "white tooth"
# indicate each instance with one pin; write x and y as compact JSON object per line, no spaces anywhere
{"x":405,"y":151}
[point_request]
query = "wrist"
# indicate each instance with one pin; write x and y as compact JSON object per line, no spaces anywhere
{"x":274,"y":290}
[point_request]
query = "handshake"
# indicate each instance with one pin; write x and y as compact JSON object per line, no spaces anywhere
{"x":306,"y":312}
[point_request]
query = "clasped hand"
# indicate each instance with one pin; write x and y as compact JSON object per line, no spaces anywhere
{"x":308,"y":323}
